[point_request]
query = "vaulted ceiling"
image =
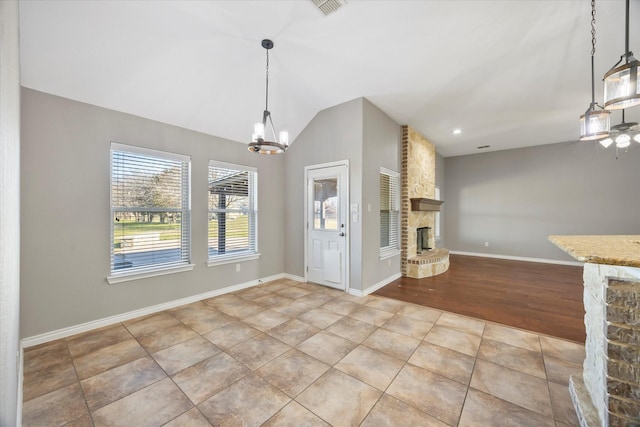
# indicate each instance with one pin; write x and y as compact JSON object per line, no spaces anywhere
{"x":508,"y":73}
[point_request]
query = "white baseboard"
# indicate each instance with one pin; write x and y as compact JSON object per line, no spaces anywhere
{"x":518,"y":258}
{"x":111,"y":320}
{"x":20,"y":386}
{"x":294,"y":277}
{"x":355,"y":292}
{"x":372,"y":289}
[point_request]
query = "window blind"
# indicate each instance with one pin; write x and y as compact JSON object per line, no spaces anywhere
{"x":233,"y":212}
{"x":150,"y":209}
{"x":389,"y":212}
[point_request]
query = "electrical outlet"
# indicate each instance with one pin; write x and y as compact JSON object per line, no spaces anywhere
{"x":486,"y":244}
{"x":237,"y":267}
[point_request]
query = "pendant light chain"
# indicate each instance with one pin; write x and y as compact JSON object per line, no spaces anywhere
{"x":593,"y":49}
{"x":593,"y":27}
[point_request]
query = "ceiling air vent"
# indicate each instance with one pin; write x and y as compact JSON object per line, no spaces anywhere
{"x":329,"y":6}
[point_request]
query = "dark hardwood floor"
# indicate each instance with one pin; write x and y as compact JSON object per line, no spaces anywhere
{"x":544,"y":298}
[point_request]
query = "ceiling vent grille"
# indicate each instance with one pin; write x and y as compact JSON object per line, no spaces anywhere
{"x":329,"y":6}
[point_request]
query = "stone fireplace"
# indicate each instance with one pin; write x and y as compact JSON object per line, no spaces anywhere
{"x":419,"y":208}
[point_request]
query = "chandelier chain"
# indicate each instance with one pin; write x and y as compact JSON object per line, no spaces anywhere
{"x":593,"y":27}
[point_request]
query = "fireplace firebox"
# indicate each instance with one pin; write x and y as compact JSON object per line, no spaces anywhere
{"x":422,"y":239}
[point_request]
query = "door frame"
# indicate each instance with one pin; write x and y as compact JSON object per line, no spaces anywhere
{"x":345,"y":206}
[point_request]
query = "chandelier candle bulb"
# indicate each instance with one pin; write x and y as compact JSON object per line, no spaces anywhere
{"x":284,"y":137}
{"x":258,"y":131}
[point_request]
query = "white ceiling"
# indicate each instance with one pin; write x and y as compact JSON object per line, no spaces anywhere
{"x":509,"y":73}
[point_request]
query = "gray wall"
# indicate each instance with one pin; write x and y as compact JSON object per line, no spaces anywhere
{"x":515,"y":199}
{"x":358,"y":131}
{"x":382,"y":138}
{"x":441,"y":243}
{"x":9,"y":213}
{"x":65,"y":213}
{"x":334,"y":134}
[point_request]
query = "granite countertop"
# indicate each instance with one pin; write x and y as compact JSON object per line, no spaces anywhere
{"x":611,"y":250}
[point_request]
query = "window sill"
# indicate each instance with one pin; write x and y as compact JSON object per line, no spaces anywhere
{"x":231,"y":260}
{"x":126,"y":277}
{"x":389,"y":254}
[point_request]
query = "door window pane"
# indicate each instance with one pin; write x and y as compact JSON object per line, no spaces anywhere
{"x":325,"y":204}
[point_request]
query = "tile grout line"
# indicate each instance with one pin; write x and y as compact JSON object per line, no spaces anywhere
{"x":475,"y":361}
{"x":84,"y":397}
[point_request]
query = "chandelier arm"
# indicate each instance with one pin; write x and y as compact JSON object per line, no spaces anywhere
{"x":617,"y":63}
{"x":273,"y":130}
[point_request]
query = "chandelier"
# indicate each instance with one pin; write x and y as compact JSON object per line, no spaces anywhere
{"x":594,"y":123}
{"x":259,"y":143}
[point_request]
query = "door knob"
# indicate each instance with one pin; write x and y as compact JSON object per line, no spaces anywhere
{"x":341,"y":234}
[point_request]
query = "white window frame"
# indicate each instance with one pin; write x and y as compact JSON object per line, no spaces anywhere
{"x":118,"y":276}
{"x":393,"y":249}
{"x":251,"y":211}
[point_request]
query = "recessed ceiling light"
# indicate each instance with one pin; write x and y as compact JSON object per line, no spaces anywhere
{"x":457,"y":131}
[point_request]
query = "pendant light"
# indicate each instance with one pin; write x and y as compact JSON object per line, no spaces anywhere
{"x":622,"y":82}
{"x":259,"y":143}
{"x":594,"y":123}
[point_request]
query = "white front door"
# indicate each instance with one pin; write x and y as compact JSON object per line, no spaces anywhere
{"x":327,"y":213}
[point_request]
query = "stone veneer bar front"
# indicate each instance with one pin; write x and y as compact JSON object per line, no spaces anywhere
{"x":609,"y":394}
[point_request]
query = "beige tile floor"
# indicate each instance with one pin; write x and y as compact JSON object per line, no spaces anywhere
{"x":293,"y":354}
